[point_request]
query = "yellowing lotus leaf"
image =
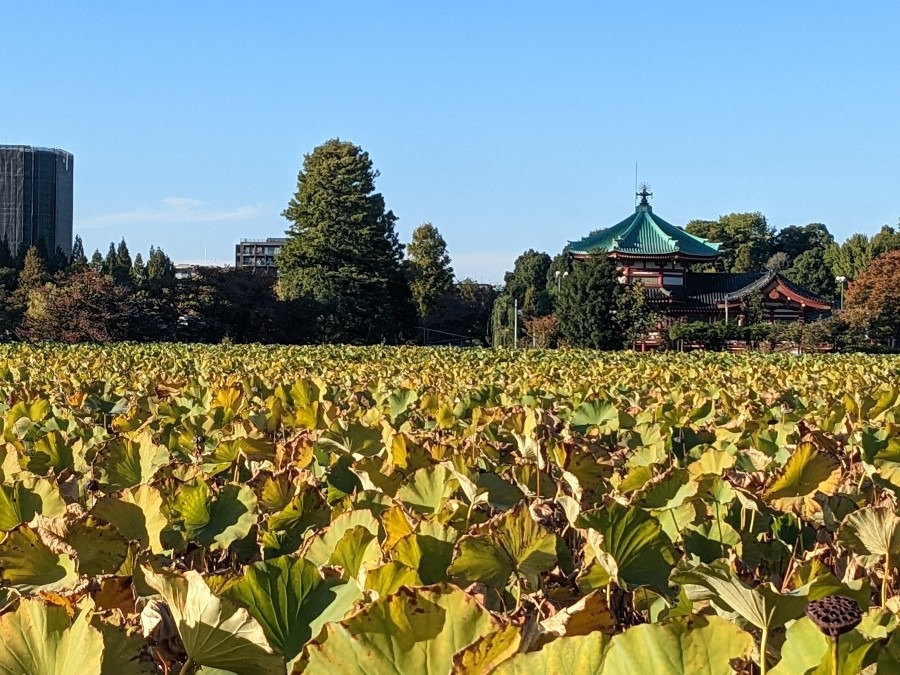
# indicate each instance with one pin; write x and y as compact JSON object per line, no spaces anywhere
{"x":579,"y":655}
{"x":29,"y":565}
{"x":691,"y":645}
{"x":806,"y":473}
{"x":511,"y":543}
{"x":137,"y":514}
{"x":412,"y":631}
{"x":40,"y":639}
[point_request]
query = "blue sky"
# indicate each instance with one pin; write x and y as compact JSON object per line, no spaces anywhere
{"x":509,"y":125}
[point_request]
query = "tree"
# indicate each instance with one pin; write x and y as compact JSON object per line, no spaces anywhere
{"x":872,"y":301}
{"x":465,"y":310}
{"x":342,"y":251}
{"x":96,"y":263}
{"x":34,"y":271}
{"x":849,"y":259}
{"x":81,"y":307}
{"x":588,"y":303}
{"x":138,"y":270}
{"x":746,"y":240}
{"x":159,"y":266}
{"x":430,"y":273}
{"x":812,"y":273}
{"x":78,"y":260}
{"x":795,"y":240}
{"x":778,"y":261}
{"x":887,"y":239}
{"x":122,"y":270}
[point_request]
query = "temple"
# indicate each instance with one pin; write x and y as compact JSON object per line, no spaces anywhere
{"x":647,"y":249}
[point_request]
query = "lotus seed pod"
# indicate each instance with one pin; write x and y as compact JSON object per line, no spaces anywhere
{"x":834,"y":614}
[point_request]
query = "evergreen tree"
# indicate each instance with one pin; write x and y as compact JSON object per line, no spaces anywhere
{"x":812,"y":273}
{"x":122,"y":269}
{"x":109,"y":262}
{"x":96,"y":263}
{"x":342,"y":251}
{"x":588,"y":304}
{"x":159,"y":266}
{"x":34,"y":271}
{"x":78,"y":261}
{"x":138,"y":270}
{"x":431,"y":276}
{"x":850,"y":258}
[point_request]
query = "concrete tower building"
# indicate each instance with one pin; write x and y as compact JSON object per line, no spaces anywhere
{"x":36,"y":193}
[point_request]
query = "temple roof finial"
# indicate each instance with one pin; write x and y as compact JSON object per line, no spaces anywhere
{"x":643,"y":193}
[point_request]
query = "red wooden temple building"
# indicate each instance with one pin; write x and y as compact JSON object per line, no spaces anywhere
{"x":660,"y":255}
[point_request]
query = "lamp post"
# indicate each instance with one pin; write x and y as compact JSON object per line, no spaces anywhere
{"x":841,"y":280}
{"x":559,"y":277}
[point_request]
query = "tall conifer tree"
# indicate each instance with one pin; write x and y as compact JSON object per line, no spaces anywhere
{"x":342,"y":250}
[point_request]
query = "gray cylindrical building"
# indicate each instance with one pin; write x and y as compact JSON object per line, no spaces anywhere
{"x":36,"y":195}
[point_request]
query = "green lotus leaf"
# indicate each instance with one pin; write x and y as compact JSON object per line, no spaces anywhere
{"x":412,"y":631}
{"x":806,"y":473}
{"x":669,"y":492}
{"x":214,"y":632}
{"x":511,"y":543}
{"x":763,"y":606}
{"x":632,"y":550}
{"x":51,"y":452}
{"x":291,"y":600}
{"x":693,"y":645}
{"x":216,"y":521}
{"x":600,"y":414}
{"x":137,"y":514}
{"x":40,"y":639}
{"x":428,"y":550}
{"x":29,"y":565}
{"x":319,"y":548}
{"x":579,"y":655}
{"x":807,"y":651}
{"x":24,"y":499}
{"x":399,"y":401}
{"x":128,"y":462}
{"x":428,"y":489}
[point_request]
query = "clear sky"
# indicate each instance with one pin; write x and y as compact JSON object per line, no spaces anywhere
{"x":509,"y":125}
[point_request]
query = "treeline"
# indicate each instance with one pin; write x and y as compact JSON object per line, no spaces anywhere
{"x":343,"y":278}
{"x":117,"y":297}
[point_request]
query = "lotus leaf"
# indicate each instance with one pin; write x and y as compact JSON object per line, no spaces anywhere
{"x":412,"y":631}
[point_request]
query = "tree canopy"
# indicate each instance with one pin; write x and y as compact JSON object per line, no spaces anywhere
{"x":746,"y":240}
{"x":588,"y":304}
{"x":342,"y":250}
{"x":872,"y":301}
{"x":430,"y":273}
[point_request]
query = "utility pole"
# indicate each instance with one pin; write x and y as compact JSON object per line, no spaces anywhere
{"x":515,"y":323}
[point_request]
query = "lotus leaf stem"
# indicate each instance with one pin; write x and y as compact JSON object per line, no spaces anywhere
{"x":187,"y":667}
{"x":835,"y":660}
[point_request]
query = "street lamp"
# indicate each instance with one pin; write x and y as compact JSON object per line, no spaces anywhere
{"x":841,"y":281}
{"x":559,"y":277}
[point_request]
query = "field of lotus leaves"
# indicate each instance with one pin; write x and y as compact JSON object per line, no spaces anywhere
{"x":368,"y":511}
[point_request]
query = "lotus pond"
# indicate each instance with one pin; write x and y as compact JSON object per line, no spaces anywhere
{"x":264,"y":510}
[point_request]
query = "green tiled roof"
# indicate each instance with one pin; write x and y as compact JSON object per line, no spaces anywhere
{"x":645,"y":234}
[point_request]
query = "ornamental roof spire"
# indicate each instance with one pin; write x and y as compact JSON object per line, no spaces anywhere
{"x":643,"y":193}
